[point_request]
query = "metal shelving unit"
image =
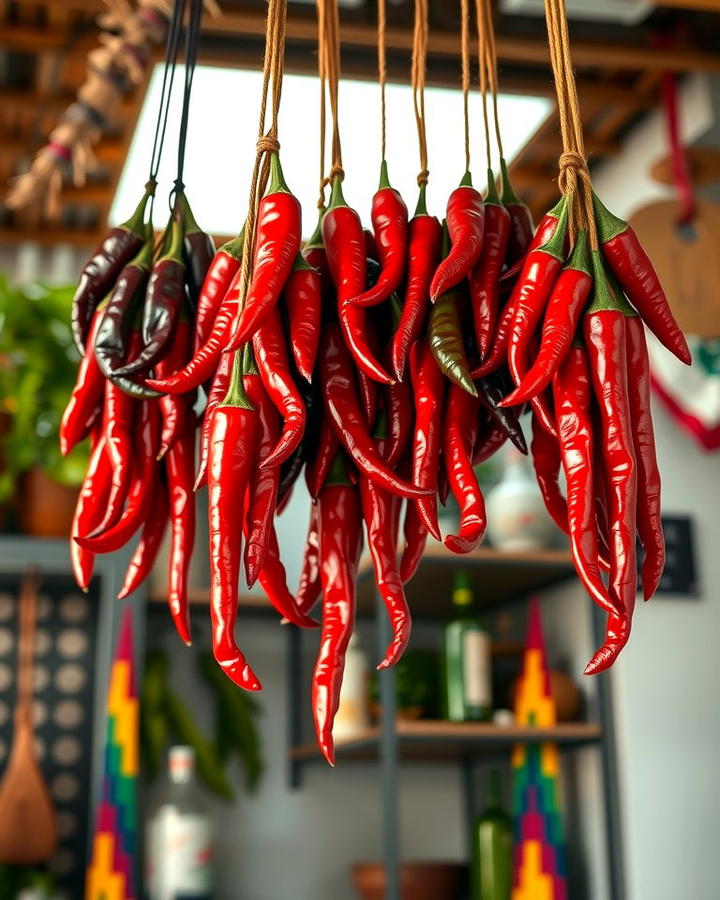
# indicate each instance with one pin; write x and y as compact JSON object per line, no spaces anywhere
{"x":500,"y":578}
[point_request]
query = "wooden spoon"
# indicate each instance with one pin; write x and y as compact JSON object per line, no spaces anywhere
{"x":28,"y":832}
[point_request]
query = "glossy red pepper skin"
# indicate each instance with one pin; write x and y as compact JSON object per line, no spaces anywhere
{"x":521,"y":230}
{"x":302,"y":297}
{"x":180,"y":468}
{"x":233,"y":440}
{"x":636,"y":275}
{"x":545,"y":453}
{"x":141,"y":491}
{"x":573,"y":396}
{"x":314,"y":255}
{"x":543,"y":233}
{"x":175,"y":409}
{"x":428,"y":385}
{"x":223,"y":269}
{"x":264,"y":487}
{"x":152,"y":537}
{"x":460,"y":433}
{"x":398,"y":406}
{"x":343,"y":409}
{"x":318,"y":467}
{"x":490,"y":438}
{"x":273,"y":581}
{"x":277,"y":243}
{"x":390,"y":227}
{"x":466,"y":224}
{"x":381,"y":512}
{"x":89,"y":512}
{"x":86,"y":400}
{"x":568,"y":300}
{"x":424,"y":240}
{"x":220,"y":385}
{"x":498,"y":350}
{"x":415,"y":534}
{"x":309,"y":586}
{"x":649,"y":522}
{"x":604,"y":332}
{"x":274,"y":367}
{"x":484,"y":276}
{"x":340,"y":545}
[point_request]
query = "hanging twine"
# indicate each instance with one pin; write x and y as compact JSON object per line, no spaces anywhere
{"x":419,"y":55}
{"x":322,"y":78}
{"x":332,"y":71}
{"x":382,"y":73}
{"x":465,"y":56}
{"x":574,"y":176}
{"x":485,"y":24}
{"x":483,"y":71}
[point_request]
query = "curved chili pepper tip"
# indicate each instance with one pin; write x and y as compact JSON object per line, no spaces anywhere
{"x":242,"y":675}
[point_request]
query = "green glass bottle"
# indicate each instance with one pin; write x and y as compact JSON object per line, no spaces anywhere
{"x":466,"y":659}
{"x":492,"y":848}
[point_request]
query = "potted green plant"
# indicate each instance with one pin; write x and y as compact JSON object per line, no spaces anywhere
{"x":38,"y":363}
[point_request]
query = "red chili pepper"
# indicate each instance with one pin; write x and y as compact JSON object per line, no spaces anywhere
{"x":545,"y":452}
{"x":390,"y":226}
{"x":318,"y":467}
{"x":484,"y":276}
{"x":273,"y":365}
{"x":461,"y":428}
{"x":233,"y":440}
{"x":310,"y":587}
{"x":381,"y":512}
{"x":223,"y":269}
{"x":277,"y":243}
{"x":89,"y":511}
{"x":180,"y":468}
{"x":428,"y":385}
{"x":465,"y":223}
{"x":152,"y":537}
{"x":415,"y":534}
{"x":629,"y":263}
{"x":302,"y":296}
{"x":264,"y":487}
{"x":424,"y":239}
{"x":141,"y":490}
{"x":340,"y":545}
{"x":543,"y":233}
{"x":649,"y":521}
{"x":273,"y":580}
{"x":521,"y":222}
{"x":368,"y":388}
{"x":498,"y":352}
{"x":573,"y":402}
{"x":567,"y":302}
{"x":175,"y":410}
{"x":343,"y":408}
{"x":398,"y":406}
{"x":490,"y":438}
{"x":220,"y":385}
{"x":314,"y":254}
{"x":85,"y":403}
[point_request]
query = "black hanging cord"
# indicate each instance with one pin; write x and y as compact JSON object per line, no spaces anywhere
{"x":191,"y":47}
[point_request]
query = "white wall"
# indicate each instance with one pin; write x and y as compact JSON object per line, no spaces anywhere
{"x":665,"y":683}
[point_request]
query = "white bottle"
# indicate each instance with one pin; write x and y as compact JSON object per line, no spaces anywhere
{"x":353,"y":715}
{"x":179,"y":839}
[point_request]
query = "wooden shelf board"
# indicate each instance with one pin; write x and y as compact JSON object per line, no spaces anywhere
{"x":437,"y":740}
{"x":496,"y":576}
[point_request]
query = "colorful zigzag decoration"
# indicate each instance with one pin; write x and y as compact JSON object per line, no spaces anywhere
{"x":539,"y":862}
{"x":111,"y":873}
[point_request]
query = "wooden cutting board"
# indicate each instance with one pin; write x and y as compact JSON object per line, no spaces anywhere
{"x":687,"y":261}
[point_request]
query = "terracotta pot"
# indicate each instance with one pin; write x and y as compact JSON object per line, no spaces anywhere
{"x":418,"y":881}
{"x":45,"y":508}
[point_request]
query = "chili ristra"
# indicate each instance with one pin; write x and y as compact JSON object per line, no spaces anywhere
{"x":465,"y":224}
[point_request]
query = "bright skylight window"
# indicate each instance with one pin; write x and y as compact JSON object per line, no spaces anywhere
{"x":223,"y":127}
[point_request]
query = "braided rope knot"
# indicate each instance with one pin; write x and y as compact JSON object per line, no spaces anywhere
{"x":573,"y":166}
{"x":336,"y":172}
{"x":268,"y":144}
{"x":423,"y":176}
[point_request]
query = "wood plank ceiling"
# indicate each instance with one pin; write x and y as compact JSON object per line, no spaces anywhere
{"x":43,"y":46}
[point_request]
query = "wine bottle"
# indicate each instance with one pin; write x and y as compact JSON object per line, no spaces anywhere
{"x":492,"y":847}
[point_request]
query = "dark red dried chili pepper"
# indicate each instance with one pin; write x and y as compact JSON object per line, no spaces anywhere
{"x":567,"y":302}
{"x":98,"y":275}
{"x":484,"y":276}
{"x":629,"y":263}
{"x":273,"y":365}
{"x":424,"y":240}
{"x":490,"y":438}
{"x":649,"y":522}
{"x":428,"y":385}
{"x":390,"y":227}
{"x":340,"y":544}
{"x":224,"y":267}
{"x":85,"y":404}
{"x":302,"y":296}
{"x":277,"y":243}
{"x":198,"y":251}
{"x":343,"y":408}
{"x":233,"y":440}
{"x":521,"y":222}
{"x":149,"y":544}
{"x":460,"y":433}
{"x":381,"y":512}
{"x":465,"y":224}
{"x":492,"y":391}
{"x":573,"y":402}
{"x":180,"y":467}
